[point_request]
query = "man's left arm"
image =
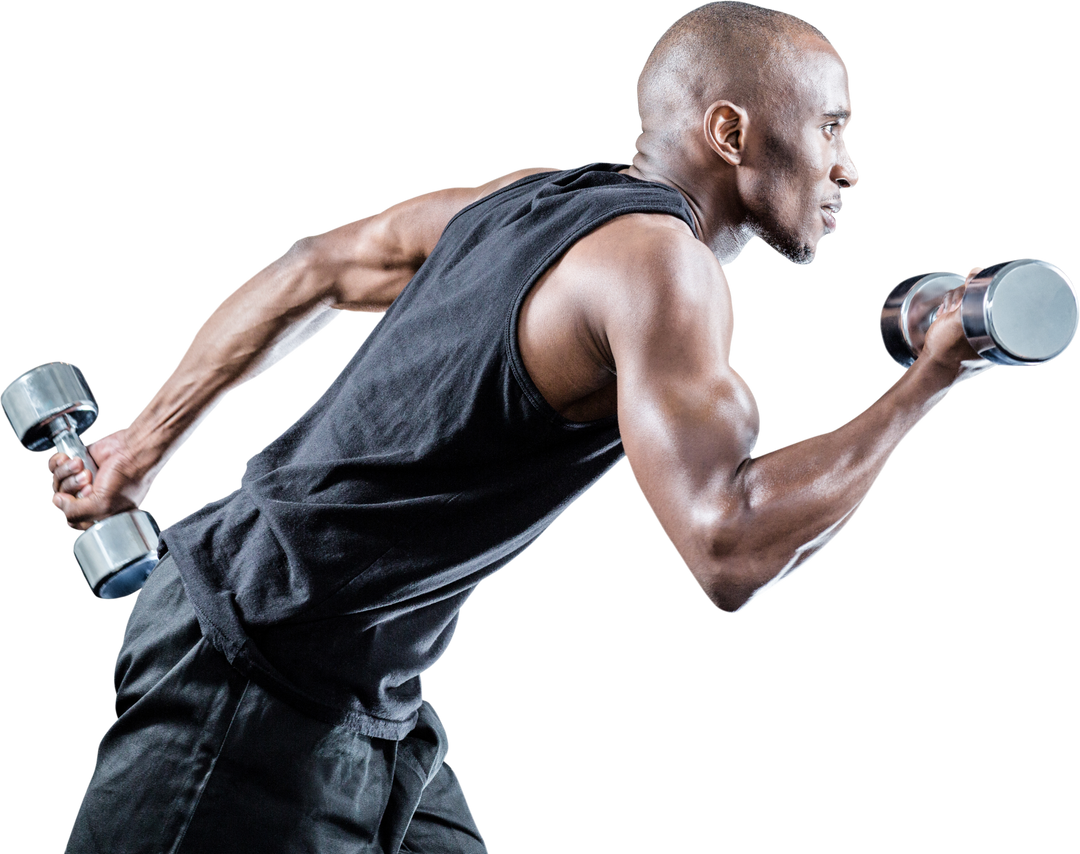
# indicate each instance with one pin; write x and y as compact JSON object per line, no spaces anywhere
{"x":360,"y":266}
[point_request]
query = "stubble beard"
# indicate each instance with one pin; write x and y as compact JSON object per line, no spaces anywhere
{"x":789,"y":245}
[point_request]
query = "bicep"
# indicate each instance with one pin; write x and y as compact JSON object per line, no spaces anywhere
{"x":687,"y":419}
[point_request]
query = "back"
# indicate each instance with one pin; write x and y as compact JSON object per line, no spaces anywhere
{"x":337,"y":570}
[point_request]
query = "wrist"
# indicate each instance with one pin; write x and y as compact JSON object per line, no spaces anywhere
{"x":917,"y":392}
{"x":932,"y":376}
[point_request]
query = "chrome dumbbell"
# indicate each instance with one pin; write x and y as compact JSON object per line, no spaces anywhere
{"x":1017,"y":313}
{"x":49,"y":407}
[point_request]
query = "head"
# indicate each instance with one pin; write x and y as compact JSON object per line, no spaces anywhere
{"x":744,"y":109}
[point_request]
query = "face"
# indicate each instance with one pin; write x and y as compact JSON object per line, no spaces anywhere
{"x":795,"y":159}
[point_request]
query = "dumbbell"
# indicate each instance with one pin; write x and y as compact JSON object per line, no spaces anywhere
{"x":49,"y":407}
{"x":1017,"y":313}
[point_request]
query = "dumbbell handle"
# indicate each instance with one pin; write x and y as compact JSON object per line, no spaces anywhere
{"x":930,"y":318}
{"x":66,"y":440}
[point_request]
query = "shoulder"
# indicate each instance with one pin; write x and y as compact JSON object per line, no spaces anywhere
{"x":652,"y":254}
{"x":423,"y":218}
{"x":649,"y":275}
{"x":511,"y":178}
{"x":402,"y":236}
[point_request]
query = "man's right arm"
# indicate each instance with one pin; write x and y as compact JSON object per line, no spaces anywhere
{"x":362,"y":266}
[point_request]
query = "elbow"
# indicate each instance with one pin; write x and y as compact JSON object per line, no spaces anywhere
{"x":298,"y":264}
{"x":726,"y":592}
{"x":308,"y":274}
{"x":303,"y":253}
{"x":297,"y":243}
{"x":732,"y":547}
{"x":732,"y":576}
{"x":729,"y":578}
{"x":729,"y":565}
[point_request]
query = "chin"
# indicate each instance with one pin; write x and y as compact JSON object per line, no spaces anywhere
{"x":794,"y":247}
{"x":795,"y":251}
{"x":805,"y":256}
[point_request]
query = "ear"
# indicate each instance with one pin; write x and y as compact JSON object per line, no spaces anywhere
{"x":725,"y":130}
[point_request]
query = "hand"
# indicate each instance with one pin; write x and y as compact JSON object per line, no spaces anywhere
{"x":118,"y":485}
{"x":945,"y":344}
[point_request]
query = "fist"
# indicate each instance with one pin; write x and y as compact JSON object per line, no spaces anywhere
{"x":85,"y":498}
{"x":946,"y":344}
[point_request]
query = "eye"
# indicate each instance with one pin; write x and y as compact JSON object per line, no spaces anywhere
{"x":830,"y":129}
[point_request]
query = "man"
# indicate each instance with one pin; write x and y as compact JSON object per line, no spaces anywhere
{"x":536,"y":327}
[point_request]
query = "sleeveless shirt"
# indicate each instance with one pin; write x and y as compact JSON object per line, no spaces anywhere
{"x":335,"y":574}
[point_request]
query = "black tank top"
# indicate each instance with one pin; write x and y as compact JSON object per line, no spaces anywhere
{"x":334,"y":575}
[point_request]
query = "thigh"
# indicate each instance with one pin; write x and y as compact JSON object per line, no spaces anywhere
{"x":175,"y":699}
{"x":442,"y":823}
{"x":156,"y":757}
{"x":284,"y":783}
{"x":439,"y":820}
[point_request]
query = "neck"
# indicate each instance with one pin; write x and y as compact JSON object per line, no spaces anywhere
{"x":712,"y":198}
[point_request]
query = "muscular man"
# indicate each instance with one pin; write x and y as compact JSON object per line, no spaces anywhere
{"x":536,"y":328}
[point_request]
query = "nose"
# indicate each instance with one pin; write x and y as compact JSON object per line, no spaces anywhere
{"x":844,"y":173}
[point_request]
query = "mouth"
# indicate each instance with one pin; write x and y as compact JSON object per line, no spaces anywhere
{"x":829,"y":210}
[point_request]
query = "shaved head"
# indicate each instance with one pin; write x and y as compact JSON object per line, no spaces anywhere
{"x":743,"y":110}
{"x":722,"y":51}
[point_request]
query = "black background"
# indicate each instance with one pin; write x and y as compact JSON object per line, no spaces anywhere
{"x":908,"y":682}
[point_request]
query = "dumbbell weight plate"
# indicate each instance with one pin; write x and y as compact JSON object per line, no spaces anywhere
{"x":45,"y":393}
{"x":1019,"y":313}
{"x":118,"y":554}
{"x":910,"y":309}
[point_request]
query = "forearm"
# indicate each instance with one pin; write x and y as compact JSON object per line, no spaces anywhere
{"x":255,"y":326}
{"x":783,"y":506}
